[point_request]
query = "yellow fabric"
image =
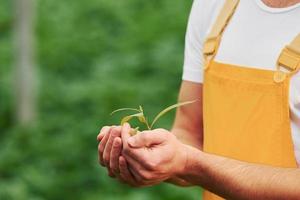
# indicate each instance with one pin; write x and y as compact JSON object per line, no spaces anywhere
{"x":212,"y":41}
{"x":246,"y":112}
{"x":246,"y":116}
{"x":295,"y":45}
{"x":290,"y":55}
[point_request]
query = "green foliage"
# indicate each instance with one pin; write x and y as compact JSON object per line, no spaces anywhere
{"x":93,"y":56}
{"x":143,"y":119}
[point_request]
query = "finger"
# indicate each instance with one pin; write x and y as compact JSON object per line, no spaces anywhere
{"x":125,"y":174}
{"x":101,"y":147}
{"x":115,"y":132}
{"x":111,"y":174}
{"x":147,"y":139}
{"x":104,"y":130}
{"x":125,"y":134}
{"x":139,"y":174}
{"x":115,"y":154}
{"x":100,"y":137}
{"x":139,"y":155}
{"x":130,"y":176}
{"x":135,"y":165}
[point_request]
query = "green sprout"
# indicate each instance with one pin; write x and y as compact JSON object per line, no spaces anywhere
{"x":139,"y":114}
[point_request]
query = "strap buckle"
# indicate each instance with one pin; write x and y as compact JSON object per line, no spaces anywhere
{"x":288,"y":59}
{"x":210,"y":45}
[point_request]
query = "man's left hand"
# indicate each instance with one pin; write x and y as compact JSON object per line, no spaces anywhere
{"x":154,"y":156}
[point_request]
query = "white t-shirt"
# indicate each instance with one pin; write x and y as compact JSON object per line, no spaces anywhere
{"x":258,"y":32}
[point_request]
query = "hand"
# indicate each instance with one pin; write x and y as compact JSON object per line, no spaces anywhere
{"x":109,"y":153}
{"x":109,"y":148}
{"x":153,"y":156}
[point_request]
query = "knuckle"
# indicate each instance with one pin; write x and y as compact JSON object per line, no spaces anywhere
{"x":117,"y":141}
{"x":118,"y":128}
{"x":104,"y":128}
{"x":151,"y":165}
{"x":146,"y":176}
{"x":116,"y":147}
{"x":114,"y":133}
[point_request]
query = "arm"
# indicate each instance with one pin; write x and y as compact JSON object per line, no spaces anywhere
{"x":158,"y":155}
{"x":188,"y":124}
{"x":234,"y":179}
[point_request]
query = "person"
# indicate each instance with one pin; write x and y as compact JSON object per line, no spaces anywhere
{"x":241,"y":140}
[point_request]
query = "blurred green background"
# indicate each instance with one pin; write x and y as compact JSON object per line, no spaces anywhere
{"x":91,"y":57}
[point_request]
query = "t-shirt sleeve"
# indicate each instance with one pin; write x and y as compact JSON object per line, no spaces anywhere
{"x":194,"y":39}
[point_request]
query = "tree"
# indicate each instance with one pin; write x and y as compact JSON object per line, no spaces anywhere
{"x":24,"y":36}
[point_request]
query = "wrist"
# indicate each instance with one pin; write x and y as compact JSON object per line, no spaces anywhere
{"x":178,"y":181}
{"x":187,"y":154}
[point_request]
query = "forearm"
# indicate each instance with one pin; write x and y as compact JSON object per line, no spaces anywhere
{"x":179,"y":182}
{"x":188,"y":123}
{"x":233,"y":179}
{"x":189,"y":137}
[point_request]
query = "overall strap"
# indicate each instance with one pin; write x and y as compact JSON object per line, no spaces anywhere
{"x":289,"y":59}
{"x":212,"y":42}
{"x":290,"y":55}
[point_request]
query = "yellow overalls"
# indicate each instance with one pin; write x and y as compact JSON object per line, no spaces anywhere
{"x":246,"y":110}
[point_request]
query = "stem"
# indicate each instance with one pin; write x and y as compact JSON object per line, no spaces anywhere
{"x":147,"y":124}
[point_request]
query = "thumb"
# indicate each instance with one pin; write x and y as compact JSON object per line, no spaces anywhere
{"x":125,"y":133}
{"x":146,"y":139}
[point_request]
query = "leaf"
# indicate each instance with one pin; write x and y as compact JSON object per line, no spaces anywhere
{"x":129,"y":117}
{"x":170,"y":108}
{"x":124,"y":109}
{"x":142,"y":119}
{"x":141,"y":108}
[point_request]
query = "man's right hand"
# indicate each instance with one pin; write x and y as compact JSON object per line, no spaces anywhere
{"x":110,"y":154}
{"x":109,"y":148}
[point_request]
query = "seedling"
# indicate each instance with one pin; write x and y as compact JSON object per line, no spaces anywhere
{"x":139,"y":114}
